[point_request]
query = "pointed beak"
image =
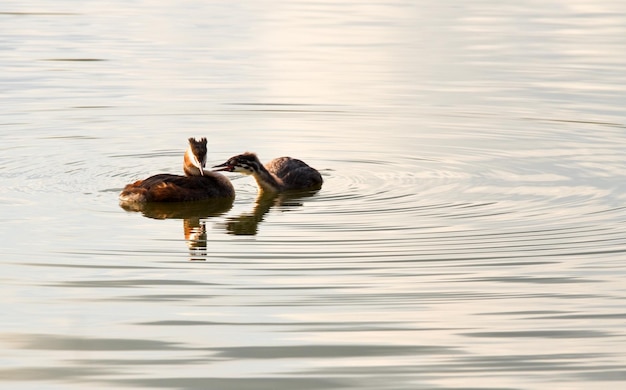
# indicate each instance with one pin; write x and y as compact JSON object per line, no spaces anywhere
{"x":199,"y":165}
{"x":223,"y":167}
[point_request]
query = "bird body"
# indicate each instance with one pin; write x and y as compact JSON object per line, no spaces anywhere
{"x":175,"y":188}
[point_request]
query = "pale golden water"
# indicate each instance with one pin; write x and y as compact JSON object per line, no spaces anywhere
{"x":470,"y":233}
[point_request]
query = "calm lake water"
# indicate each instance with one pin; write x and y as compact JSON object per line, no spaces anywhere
{"x":470,"y":233}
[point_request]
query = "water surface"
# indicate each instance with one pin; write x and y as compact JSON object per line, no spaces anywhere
{"x":470,"y":233}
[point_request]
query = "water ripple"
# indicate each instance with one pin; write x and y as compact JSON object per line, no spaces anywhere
{"x":471,"y":230}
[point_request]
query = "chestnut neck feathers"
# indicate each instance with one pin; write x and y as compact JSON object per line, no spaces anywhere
{"x":195,"y":157}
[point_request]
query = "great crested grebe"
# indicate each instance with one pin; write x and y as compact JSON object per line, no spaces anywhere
{"x":280,"y":174}
{"x":198,"y":184}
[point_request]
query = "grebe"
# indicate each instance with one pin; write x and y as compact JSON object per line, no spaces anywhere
{"x":198,"y":184}
{"x":280,"y":174}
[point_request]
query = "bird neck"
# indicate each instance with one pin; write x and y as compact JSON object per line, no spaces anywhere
{"x":267,"y":181}
{"x":188,"y":165}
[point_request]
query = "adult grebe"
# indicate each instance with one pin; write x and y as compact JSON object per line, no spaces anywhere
{"x":198,"y":184}
{"x":280,"y":174}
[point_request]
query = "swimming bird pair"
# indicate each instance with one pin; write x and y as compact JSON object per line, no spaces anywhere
{"x":280,"y":174}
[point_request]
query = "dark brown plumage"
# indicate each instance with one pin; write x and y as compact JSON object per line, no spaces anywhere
{"x":174,"y":188}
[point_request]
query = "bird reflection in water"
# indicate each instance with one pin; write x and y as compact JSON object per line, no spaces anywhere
{"x":193,"y":214}
{"x":246,"y":224}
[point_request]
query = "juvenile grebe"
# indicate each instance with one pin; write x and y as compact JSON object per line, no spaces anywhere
{"x":198,"y":184}
{"x":280,"y":174}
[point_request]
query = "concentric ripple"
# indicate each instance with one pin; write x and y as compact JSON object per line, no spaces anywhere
{"x":470,"y":232}
{"x":409,"y":210}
